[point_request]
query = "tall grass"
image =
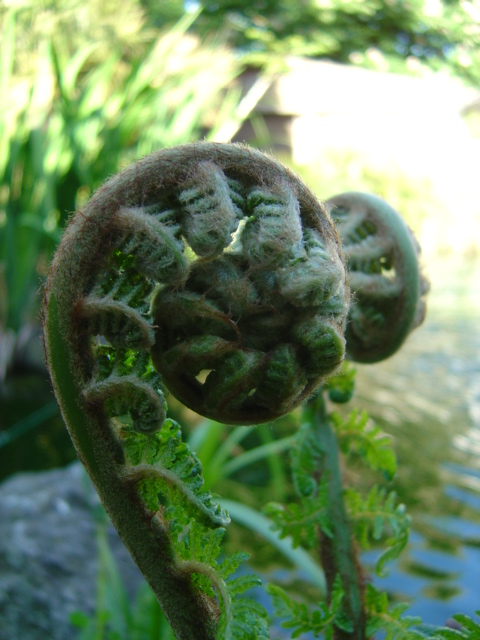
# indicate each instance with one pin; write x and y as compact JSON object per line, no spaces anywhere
{"x":77,"y":103}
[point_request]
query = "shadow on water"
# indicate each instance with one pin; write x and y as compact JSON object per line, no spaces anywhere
{"x":32,"y":434}
{"x":428,"y":398}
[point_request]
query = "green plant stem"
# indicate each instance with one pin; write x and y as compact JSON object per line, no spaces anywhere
{"x":337,"y":550}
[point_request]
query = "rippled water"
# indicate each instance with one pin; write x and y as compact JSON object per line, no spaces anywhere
{"x":428,"y":397}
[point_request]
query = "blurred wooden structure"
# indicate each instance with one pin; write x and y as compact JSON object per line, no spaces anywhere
{"x":317,"y":105}
{"x":392,"y":121}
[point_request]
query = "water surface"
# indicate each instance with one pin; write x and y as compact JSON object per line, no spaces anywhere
{"x":428,"y":397}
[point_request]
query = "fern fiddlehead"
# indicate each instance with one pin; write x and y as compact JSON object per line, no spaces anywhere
{"x":211,"y":272}
{"x":261,"y":316}
{"x":384,"y":275}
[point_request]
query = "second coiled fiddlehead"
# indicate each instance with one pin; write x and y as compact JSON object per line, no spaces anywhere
{"x":212,"y":272}
{"x":384,"y":275}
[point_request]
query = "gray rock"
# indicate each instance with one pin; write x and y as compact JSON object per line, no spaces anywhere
{"x":48,"y":553}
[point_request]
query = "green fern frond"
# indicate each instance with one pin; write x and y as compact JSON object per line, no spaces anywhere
{"x":242,"y":618}
{"x":389,"y":619}
{"x":376,"y":516}
{"x":304,"y":461}
{"x":248,"y":622}
{"x":301,"y":620}
{"x":170,"y":482}
{"x":164,"y":463}
{"x":301,"y":520}
{"x":358,"y":435}
{"x":470,"y":629}
{"x":230,"y":564}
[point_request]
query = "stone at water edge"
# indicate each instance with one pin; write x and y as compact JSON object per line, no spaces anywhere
{"x":49,"y":553}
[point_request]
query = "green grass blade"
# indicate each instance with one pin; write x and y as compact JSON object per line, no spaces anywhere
{"x":205,"y":439}
{"x":115,"y":598}
{"x":259,"y":453}
{"x":68,"y":77}
{"x":231,"y":441}
{"x":7,"y":55}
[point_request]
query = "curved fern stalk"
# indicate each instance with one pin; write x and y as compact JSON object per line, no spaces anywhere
{"x":210,"y":272}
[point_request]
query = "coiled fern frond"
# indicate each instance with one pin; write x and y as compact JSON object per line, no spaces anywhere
{"x":206,"y":271}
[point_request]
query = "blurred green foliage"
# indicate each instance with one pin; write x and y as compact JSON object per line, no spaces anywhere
{"x":336,"y":171}
{"x":85,"y":89}
{"x":405,"y":37}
